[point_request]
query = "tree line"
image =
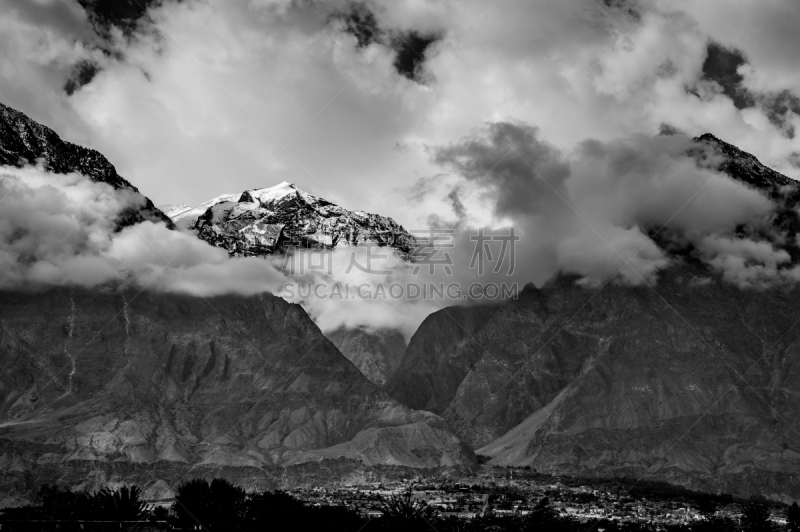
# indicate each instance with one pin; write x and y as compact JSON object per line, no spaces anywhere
{"x":219,"y":505}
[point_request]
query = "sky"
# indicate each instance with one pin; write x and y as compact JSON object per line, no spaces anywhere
{"x":570,"y":121}
{"x":352,"y":100}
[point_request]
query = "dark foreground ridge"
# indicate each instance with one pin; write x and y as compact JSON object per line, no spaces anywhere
{"x":217,"y":505}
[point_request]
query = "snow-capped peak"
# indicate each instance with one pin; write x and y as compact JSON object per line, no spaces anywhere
{"x":271,"y":194}
{"x":185,"y":219}
{"x":260,"y":221}
{"x":174,"y":210}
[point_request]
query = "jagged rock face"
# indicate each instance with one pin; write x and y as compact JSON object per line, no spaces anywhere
{"x":25,"y":141}
{"x":376,"y":354}
{"x":264,"y":221}
{"x":146,"y":379}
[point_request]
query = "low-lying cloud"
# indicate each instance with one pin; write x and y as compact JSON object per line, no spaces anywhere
{"x":598,"y":211}
{"x":606,"y":211}
{"x":60,"y":230}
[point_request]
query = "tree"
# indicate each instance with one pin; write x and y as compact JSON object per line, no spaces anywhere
{"x":793,"y":518}
{"x":277,"y":509}
{"x":215,"y":506}
{"x":715,"y":524}
{"x":755,"y":517}
{"x":124,"y":504}
{"x":159,"y":513}
{"x":707,"y":507}
{"x":58,"y":503}
{"x":402,"y":512}
{"x":542,"y":517}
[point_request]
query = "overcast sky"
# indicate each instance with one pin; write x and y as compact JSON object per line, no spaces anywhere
{"x":194,"y":99}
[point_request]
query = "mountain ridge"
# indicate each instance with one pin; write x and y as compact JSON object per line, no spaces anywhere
{"x":228,"y":381}
{"x":25,"y":141}
{"x":264,"y":221}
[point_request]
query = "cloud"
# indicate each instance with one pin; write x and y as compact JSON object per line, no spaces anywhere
{"x":747,"y":263}
{"x":722,"y":66}
{"x":198,"y":98}
{"x":339,"y":293}
{"x":592,"y":213}
{"x":59,"y":230}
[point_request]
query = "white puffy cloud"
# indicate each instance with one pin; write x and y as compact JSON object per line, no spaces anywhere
{"x":60,"y":230}
{"x":338,"y":293}
{"x":590,"y":213}
{"x":747,"y":263}
{"x":200,"y":102}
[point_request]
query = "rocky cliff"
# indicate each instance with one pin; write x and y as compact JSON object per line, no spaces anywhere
{"x":169,"y":383}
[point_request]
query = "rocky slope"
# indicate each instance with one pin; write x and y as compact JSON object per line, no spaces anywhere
{"x":25,"y":141}
{"x":376,"y":354}
{"x":433,"y":367}
{"x":693,"y":381}
{"x":164,"y":383}
{"x":264,"y":221}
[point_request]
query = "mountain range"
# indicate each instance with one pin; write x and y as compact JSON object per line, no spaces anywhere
{"x":692,"y":380}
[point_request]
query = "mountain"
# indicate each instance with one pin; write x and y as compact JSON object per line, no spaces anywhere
{"x":25,"y":141}
{"x":376,"y":354}
{"x":263,"y":221}
{"x":140,"y":385}
{"x":692,"y":381}
{"x":782,"y":190}
{"x":432,"y":369}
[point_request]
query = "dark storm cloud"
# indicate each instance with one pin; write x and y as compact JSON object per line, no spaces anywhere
{"x":627,"y":7}
{"x":410,"y":48}
{"x":524,"y":173}
{"x":123,"y":14}
{"x":87,"y":23}
{"x":668,"y":129}
{"x":721,"y":65}
{"x":83,"y":73}
{"x":361,"y":22}
{"x":456,"y":204}
{"x":779,"y":108}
